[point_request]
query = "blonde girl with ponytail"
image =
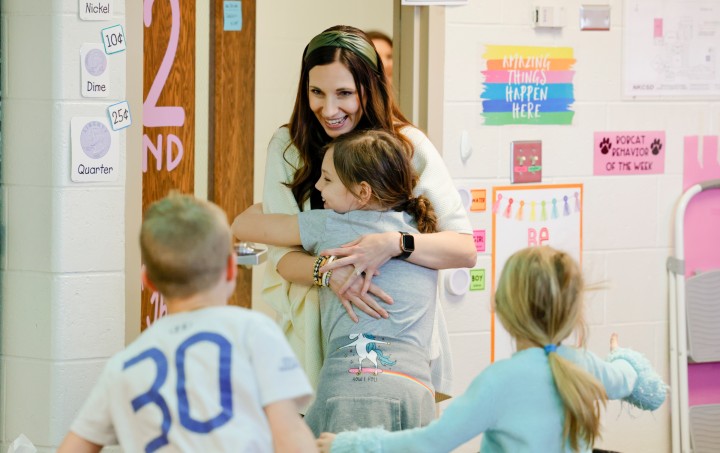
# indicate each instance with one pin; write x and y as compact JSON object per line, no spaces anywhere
{"x":539,"y":302}
{"x":547,"y":397}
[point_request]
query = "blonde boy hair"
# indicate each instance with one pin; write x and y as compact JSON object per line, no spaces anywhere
{"x":539,"y":299}
{"x":185,"y":244}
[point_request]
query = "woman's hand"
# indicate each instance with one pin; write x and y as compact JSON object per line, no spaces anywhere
{"x":613,"y":342}
{"x":324,"y":442}
{"x":353,"y":295}
{"x":367,"y":254}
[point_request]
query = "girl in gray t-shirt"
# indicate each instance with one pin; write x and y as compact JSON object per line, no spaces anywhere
{"x":377,"y":369}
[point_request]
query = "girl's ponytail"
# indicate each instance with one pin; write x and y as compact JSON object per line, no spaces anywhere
{"x":582,"y":395}
{"x":423,"y":212}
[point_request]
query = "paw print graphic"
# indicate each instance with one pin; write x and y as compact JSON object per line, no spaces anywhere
{"x":656,"y":146}
{"x":605,"y":145}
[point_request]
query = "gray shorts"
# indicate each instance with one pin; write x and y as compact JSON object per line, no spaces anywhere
{"x":373,"y":382}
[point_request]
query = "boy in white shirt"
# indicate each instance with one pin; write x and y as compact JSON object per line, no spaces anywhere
{"x":207,"y":377}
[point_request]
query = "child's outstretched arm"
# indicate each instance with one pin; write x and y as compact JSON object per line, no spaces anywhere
{"x":626,"y":375}
{"x":271,"y":229}
{"x":289,"y":431}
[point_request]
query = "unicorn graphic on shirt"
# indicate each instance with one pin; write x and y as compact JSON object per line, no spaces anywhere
{"x":366,"y":348}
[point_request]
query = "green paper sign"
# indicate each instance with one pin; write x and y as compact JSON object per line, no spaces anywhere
{"x":477,"y":279}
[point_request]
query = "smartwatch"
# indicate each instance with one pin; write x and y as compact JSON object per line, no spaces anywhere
{"x":407,"y":245}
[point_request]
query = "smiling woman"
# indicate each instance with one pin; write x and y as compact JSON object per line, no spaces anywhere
{"x":334,"y":99}
{"x":342,"y":88}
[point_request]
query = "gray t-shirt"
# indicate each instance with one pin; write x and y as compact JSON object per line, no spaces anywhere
{"x":412,"y":287}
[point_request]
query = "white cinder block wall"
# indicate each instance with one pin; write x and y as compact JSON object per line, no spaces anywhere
{"x":63,"y":278}
{"x":627,"y":221}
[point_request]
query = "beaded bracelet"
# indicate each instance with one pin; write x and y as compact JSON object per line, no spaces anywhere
{"x":322,"y":279}
{"x":317,"y":279}
{"x":320,"y":261}
{"x":326,"y":278}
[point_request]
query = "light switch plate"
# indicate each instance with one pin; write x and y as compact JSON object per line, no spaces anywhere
{"x":526,"y":161}
{"x":548,"y":16}
{"x":595,"y":17}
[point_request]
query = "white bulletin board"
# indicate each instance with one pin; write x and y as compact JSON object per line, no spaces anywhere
{"x":671,"y":49}
{"x":529,"y":215}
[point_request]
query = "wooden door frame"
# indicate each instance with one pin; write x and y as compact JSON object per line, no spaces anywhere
{"x":232,"y":122}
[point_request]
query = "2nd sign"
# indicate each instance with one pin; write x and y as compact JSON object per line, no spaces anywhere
{"x":113,"y":39}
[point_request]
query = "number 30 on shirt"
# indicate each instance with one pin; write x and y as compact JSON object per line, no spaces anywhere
{"x":153,"y":396}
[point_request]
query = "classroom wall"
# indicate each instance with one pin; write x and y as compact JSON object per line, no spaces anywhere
{"x":627,"y":220}
{"x":63,"y":244}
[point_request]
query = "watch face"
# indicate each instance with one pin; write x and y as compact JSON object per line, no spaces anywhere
{"x":408,"y":242}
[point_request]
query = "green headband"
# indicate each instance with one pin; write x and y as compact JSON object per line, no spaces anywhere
{"x":349,"y":41}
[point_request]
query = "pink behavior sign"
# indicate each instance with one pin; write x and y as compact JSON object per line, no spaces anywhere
{"x":629,"y":153}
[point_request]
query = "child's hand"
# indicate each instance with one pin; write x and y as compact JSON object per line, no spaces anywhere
{"x":324,"y":442}
{"x":613,"y":342}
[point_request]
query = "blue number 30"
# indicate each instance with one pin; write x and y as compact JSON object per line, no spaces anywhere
{"x":153,"y":395}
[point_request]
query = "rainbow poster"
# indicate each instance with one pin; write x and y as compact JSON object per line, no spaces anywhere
{"x":528,"y":85}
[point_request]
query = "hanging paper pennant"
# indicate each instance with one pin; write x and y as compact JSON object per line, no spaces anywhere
{"x":514,"y":207}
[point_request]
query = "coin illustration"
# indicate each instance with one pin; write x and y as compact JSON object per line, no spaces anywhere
{"x":95,"y":139}
{"x":95,"y":62}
